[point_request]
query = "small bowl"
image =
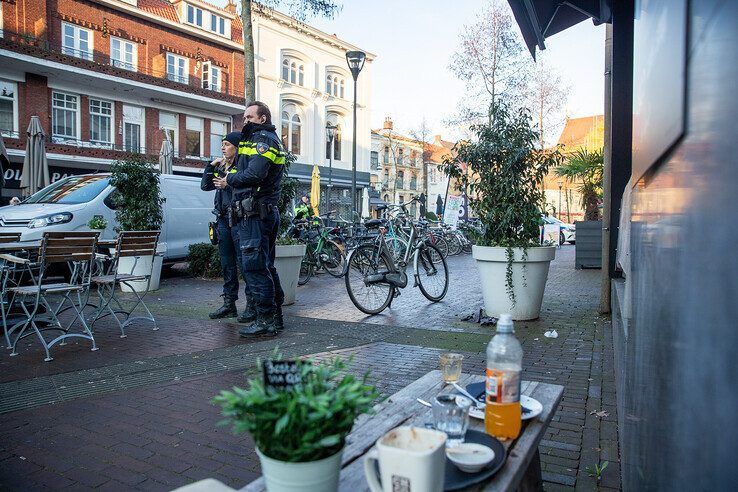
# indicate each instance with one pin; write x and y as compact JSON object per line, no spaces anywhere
{"x":470,"y":457}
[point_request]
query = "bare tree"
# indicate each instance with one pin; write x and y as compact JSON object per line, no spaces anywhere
{"x":546,"y":96}
{"x":421,"y":134}
{"x":299,"y":9}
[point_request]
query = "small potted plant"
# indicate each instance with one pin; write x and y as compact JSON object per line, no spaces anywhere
{"x":97,"y":223}
{"x":300,"y":431}
{"x":504,"y":182}
{"x":289,"y":251}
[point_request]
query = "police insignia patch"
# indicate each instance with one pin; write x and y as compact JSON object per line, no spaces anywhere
{"x":261,"y":148}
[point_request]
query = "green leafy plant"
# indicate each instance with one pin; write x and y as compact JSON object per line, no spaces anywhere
{"x":137,"y":198}
{"x":587,"y":168}
{"x":286,"y":197}
{"x":504,"y":180}
{"x":204,"y":260}
{"x":596,"y":470}
{"x":309,"y":422}
{"x":97,"y":222}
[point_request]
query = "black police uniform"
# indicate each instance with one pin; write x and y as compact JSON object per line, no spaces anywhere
{"x":257,"y":183}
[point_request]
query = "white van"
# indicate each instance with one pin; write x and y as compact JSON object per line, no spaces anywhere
{"x":70,"y":203}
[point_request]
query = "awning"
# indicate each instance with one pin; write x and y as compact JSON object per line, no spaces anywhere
{"x":375,"y":202}
{"x":539,"y":19}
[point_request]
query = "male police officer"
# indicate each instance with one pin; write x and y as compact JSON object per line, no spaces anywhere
{"x":257,"y":183}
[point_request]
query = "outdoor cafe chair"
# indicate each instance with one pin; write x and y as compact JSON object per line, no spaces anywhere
{"x":43,"y":300}
{"x":6,"y":272}
{"x":136,"y":245}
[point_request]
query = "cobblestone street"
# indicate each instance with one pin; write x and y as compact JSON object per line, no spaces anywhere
{"x":136,"y":413}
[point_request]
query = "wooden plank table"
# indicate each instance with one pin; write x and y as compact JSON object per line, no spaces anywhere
{"x":522,"y":468}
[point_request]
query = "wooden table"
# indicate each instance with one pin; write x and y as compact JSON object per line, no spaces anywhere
{"x":522,"y":468}
{"x":19,"y":246}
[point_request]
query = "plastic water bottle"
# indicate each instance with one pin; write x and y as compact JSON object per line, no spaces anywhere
{"x":504,"y":365}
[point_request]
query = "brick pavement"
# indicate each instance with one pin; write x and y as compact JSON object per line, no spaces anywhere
{"x":136,"y":414}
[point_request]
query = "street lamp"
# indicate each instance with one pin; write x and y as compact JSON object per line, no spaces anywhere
{"x":355,"y":60}
{"x":330,"y":134}
{"x":561,"y":184}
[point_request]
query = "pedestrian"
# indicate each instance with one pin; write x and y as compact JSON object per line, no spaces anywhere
{"x":304,"y":211}
{"x":439,"y":207}
{"x":257,"y":183}
{"x":226,"y":225}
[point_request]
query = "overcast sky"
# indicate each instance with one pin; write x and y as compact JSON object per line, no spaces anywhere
{"x":414,"y":41}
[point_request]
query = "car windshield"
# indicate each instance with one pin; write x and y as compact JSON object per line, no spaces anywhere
{"x":71,"y":190}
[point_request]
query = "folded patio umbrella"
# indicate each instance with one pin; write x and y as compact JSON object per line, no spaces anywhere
{"x":165,"y":156}
{"x":4,"y":162}
{"x":35,"y":173}
{"x":315,"y":189}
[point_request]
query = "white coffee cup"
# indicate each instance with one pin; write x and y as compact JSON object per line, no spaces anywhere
{"x":411,"y":459}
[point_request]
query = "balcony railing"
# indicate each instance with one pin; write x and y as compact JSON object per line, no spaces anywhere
{"x":102,"y":62}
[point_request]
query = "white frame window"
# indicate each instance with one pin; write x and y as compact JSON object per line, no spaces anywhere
{"x":178,"y":68}
{"x":77,"y":41}
{"x":293,"y":71}
{"x":335,"y":84}
{"x":193,"y":15}
{"x":101,"y":123}
{"x":123,"y":54}
{"x":211,"y":76}
{"x":9,"y":98}
{"x":194,"y":125}
{"x":169,"y":123}
{"x":335,"y":120}
{"x":65,"y":122}
{"x":218,"y":130}
{"x":134,"y":129}
{"x":291,"y":128}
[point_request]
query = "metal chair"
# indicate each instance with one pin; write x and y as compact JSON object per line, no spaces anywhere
{"x":136,"y":244}
{"x":76,"y":249}
{"x":6,"y":272}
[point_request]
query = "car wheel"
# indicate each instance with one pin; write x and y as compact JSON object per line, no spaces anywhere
{"x":562,"y":239}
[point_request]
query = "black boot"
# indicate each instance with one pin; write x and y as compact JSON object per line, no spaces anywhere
{"x":248,"y":315}
{"x":227,"y":310}
{"x":279,"y":319}
{"x":264,"y":325}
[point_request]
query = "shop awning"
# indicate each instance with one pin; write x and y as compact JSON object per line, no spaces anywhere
{"x":539,"y":19}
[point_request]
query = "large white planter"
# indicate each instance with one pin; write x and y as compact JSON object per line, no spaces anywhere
{"x":312,"y":476}
{"x":529,"y":279}
{"x":287,"y":262}
{"x":143,"y":267}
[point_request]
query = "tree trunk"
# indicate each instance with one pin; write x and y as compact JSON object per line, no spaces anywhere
{"x":248,"y":53}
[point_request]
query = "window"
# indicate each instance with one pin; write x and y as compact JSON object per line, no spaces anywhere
{"x":1,"y":19}
{"x":133,"y":124}
{"x":286,"y":70}
{"x":218,"y":130}
{"x":413,"y":182}
{"x":65,"y":116}
{"x":76,"y":41}
{"x":177,"y":68}
{"x":334,"y":85}
{"x":291,"y":129}
{"x":399,"y":182}
{"x":123,"y":54}
{"x":374,"y":160}
{"x":386,"y":158}
{"x":210,"y":77}
{"x":8,"y":108}
{"x":101,"y":122}
{"x":329,"y":83}
{"x":400,"y":156}
{"x":193,"y":136}
{"x":342,"y":92}
{"x":334,"y":120}
{"x":293,"y":71}
{"x":213,"y":22}
{"x":169,"y":123}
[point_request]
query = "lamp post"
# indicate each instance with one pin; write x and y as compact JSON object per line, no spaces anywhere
{"x":330,"y":134}
{"x":561,"y":184}
{"x":355,"y":60}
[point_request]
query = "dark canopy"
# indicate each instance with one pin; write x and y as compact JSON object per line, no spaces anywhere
{"x":539,"y":19}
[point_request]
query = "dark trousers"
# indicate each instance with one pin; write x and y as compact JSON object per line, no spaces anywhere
{"x":230,"y":257}
{"x":257,"y":241}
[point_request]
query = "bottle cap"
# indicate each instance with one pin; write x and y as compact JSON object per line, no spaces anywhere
{"x":505,"y":324}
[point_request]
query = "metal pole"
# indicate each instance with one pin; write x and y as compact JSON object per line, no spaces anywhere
{"x":559,"y":202}
{"x":353,"y":162}
{"x":330,"y":173}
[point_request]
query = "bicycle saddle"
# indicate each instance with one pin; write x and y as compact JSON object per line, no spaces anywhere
{"x":373,"y":223}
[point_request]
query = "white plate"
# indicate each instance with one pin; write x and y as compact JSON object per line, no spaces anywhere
{"x":532,"y":404}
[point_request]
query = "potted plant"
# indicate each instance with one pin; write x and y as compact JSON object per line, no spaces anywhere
{"x":289,"y":251}
{"x":138,"y":207}
{"x":504,"y":182}
{"x":586,"y":169}
{"x":300,"y":432}
{"x":97,"y":223}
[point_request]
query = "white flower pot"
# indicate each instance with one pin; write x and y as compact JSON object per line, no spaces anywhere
{"x":529,"y":279}
{"x":143,"y":267}
{"x":311,"y":476}
{"x":287,"y":262}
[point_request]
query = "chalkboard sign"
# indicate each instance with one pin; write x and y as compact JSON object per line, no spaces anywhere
{"x":281,"y":374}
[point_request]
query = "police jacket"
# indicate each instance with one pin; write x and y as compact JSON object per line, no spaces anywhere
{"x":222,"y":197}
{"x":260,"y":164}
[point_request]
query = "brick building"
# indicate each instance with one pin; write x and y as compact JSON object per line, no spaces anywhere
{"x":108,"y":77}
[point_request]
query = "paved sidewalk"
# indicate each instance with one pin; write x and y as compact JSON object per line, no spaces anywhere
{"x":136,"y":414}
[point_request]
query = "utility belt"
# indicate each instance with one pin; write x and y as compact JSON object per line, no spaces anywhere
{"x":247,"y":208}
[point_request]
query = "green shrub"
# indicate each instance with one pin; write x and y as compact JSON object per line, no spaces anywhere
{"x":204,"y":260}
{"x":138,"y":203}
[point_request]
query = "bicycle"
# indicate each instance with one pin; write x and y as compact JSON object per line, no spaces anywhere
{"x":321,"y":252}
{"x":373,"y":277}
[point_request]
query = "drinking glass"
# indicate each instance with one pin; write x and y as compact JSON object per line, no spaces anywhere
{"x":450,"y":367}
{"x":451,"y":415}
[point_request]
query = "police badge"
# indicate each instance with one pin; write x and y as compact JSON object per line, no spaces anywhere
{"x":261,"y":148}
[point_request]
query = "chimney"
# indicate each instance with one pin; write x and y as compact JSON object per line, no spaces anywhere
{"x":387,"y":123}
{"x":437,"y":141}
{"x":230,"y":7}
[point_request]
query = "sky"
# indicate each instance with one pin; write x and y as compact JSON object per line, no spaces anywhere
{"x":414,"y":41}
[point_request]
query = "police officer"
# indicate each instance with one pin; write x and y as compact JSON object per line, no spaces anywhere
{"x":256,"y":184}
{"x":226,"y":227}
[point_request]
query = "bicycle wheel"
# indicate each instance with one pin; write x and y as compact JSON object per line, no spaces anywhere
{"x":363,"y":261}
{"x":307,"y":269}
{"x":454,"y":244}
{"x":432,"y":276}
{"x":396,"y":246}
{"x":441,"y":250}
{"x":334,"y":261}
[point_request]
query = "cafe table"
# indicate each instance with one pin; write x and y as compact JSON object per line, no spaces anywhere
{"x":521,"y":470}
